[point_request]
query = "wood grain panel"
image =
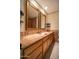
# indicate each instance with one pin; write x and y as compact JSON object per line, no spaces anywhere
{"x":35,"y":53}
{"x":32,"y":48}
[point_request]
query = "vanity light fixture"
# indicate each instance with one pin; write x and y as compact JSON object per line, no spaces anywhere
{"x":46,"y":7}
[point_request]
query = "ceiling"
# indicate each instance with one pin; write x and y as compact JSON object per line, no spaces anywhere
{"x":50,"y":5}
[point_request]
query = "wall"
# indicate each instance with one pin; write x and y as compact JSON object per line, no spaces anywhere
{"x":42,"y":21}
{"x":53,"y":19}
{"x":22,"y":28}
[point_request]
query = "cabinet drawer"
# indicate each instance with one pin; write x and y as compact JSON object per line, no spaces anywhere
{"x":30,"y":49}
{"x":37,"y":53}
{"x":46,"y":38}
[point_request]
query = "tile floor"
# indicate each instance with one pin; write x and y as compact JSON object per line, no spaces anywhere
{"x":53,"y":52}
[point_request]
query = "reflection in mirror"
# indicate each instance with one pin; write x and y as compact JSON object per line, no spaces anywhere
{"x":32,"y":17}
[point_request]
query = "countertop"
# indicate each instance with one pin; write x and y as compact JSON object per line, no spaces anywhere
{"x":30,"y":39}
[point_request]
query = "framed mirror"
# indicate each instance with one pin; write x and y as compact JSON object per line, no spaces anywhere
{"x":35,"y":19}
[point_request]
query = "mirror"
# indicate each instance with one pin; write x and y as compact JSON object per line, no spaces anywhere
{"x":32,"y":17}
{"x":35,"y":19}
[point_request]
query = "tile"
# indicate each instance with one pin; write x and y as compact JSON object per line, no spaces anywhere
{"x":53,"y":52}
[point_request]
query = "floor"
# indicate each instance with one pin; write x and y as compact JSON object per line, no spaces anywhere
{"x":53,"y":52}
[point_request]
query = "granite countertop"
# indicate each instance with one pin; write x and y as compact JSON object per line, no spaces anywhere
{"x":30,"y":39}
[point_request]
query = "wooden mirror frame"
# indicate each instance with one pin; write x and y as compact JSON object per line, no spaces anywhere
{"x":42,"y":15}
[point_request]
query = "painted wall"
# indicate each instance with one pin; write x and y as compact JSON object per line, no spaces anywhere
{"x":22,"y":28}
{"x":42,"y":21}
{"x":53,"y":19}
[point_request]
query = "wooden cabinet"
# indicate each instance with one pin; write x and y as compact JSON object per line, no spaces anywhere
{"x":38,"y":49}
{"x":35,"y":54}
{"x":34,"y":50}
{"x":47,"y":41}
{"x":40,"y":56}
{"x":44,"y":47}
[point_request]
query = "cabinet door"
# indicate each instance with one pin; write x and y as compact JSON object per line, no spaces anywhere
{"x":49,"y":42}
{"x":40,"y":56}
{"x":45,"y":46}
{"x":37,"y":53}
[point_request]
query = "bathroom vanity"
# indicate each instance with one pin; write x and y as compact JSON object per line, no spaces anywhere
{"x":34,"y":46}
